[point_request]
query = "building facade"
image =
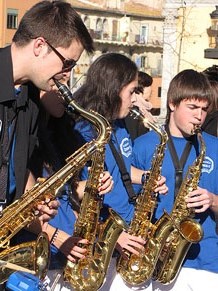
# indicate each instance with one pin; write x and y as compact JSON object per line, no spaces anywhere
{"x":131,"y":27}
{"x":185,"y":38}
{"x":128,"y":27}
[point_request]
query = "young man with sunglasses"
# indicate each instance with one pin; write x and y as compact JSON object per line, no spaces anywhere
{"x":47,"y":44}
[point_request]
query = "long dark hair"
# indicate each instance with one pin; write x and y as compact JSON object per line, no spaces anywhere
{"x":106,"y":77}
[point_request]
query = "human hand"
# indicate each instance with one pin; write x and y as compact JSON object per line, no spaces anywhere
{"x":131,"y":243}
{"x":72,"y":247}
{"x":200,"y":200}
{"x":47,"y":210}
{"x":142,"y":103}
{"x":161,"y":186}
{"x":106,"y":183}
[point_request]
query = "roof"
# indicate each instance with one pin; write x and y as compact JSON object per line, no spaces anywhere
{"x":129,"y":7}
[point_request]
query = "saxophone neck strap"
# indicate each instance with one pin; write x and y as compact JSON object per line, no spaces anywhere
{"x":124,"y":174}
{"x":178,"y":163}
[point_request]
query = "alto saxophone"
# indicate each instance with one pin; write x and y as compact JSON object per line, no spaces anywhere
{"x":23,"y":211}
{"x":89,"y":273}
{"x":179,"y":230}
{"x":137,"y":269}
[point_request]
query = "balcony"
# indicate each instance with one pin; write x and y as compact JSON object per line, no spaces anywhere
{"x":140,"y":39}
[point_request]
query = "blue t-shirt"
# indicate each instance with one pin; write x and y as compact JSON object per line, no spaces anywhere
{"x":202,"y":255}
{"x":118,"y":197}
{"x":12,"y":180}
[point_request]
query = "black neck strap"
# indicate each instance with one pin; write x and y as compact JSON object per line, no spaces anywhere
{"x":124,"y":174}
{"x":178,"y":164}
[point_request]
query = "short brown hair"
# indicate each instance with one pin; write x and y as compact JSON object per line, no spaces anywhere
{"x":56,"y":21}
{"x":188,"y":84}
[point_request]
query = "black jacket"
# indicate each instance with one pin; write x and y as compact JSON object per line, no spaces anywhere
{"x":211,"y":123}
{"x":135,"y":127}
{"x":27,"y":108}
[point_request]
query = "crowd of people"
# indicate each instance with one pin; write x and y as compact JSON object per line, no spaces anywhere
{"x":39,"y":133}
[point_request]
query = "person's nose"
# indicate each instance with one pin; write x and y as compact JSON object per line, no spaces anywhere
{"x":133,"y":98}
{"x":199,"y":112}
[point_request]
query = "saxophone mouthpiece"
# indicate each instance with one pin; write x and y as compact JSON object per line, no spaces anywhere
{"x":66,"y":93}
{"x":146,"y":116}
{"x":196,"y":129}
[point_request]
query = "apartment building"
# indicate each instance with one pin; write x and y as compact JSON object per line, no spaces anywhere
{"x":131,"y":27}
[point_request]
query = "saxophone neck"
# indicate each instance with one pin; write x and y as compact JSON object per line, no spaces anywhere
{"x":148,"y":121}
{"x":100,"y":122}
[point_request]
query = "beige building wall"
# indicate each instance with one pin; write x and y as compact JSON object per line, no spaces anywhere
{"x":129,"y":24}
{"x":185,"y":39}
{"x":193,"y":38}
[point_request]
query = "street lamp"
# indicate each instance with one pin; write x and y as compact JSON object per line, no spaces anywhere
{"x":212,"y":52}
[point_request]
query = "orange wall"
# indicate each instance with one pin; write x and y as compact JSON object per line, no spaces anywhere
{"x":155,"y":100}
{"x":22,"y":6}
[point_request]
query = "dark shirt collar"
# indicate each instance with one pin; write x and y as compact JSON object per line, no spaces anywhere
{"x":7,"y":92}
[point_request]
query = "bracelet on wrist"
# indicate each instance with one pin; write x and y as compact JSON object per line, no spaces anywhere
{"x":54,"y":236}
{"x":143,"y":178}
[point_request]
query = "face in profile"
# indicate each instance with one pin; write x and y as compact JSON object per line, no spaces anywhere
{"x":147,"y":93}
{"x":127,"y":97}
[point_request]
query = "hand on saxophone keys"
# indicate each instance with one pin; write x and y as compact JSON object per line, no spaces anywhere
{"x":73,"y":248}
{"x":200,"y":200}
{"x":133,"y":244}
{"x":106,"y":183}
{"x":47,"y":210}
{"x":161,"y":186}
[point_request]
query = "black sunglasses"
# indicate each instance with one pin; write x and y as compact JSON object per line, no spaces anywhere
{"x":67,"y":64}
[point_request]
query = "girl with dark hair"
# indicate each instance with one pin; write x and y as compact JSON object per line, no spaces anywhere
{"x":109,"y":90}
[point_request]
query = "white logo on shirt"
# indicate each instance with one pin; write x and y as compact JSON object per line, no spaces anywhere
{"x":125,"y":147}
{"x":208,"y":165}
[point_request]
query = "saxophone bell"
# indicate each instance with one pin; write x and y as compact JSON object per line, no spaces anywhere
{"x":33,"y":256}
{"x":185,"y":230}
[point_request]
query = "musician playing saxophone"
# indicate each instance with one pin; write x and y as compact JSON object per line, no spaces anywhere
{"x":56,"y":144}
{"x":109,"y":89}
{"x":188,"y":98}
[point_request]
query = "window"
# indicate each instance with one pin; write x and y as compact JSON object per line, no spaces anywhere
{"x":143,"y":34}
{"x":144,"y":62}
{"x":99,"y":27}
{"x":12,"y":18}
{"x":114,"y":30}
{"x":87,"y":22}
{"x":105,"y":29}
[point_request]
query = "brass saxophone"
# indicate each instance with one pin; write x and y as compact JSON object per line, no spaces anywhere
{"x":137,"y":269}
{"x":89,"y":273}
{"x":23,"y":211}
{"x":179,"y":230}
{"x":30,"y":255}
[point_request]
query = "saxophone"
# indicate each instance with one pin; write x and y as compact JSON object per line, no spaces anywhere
{"x":31,"y":257}
{"x":179,"y":230}
{"x":137,"y":269}
{"x":23,"y":211}
{"x":89,"y":273}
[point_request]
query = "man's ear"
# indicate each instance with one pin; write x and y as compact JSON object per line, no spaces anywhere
{"x":39,"y":45}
